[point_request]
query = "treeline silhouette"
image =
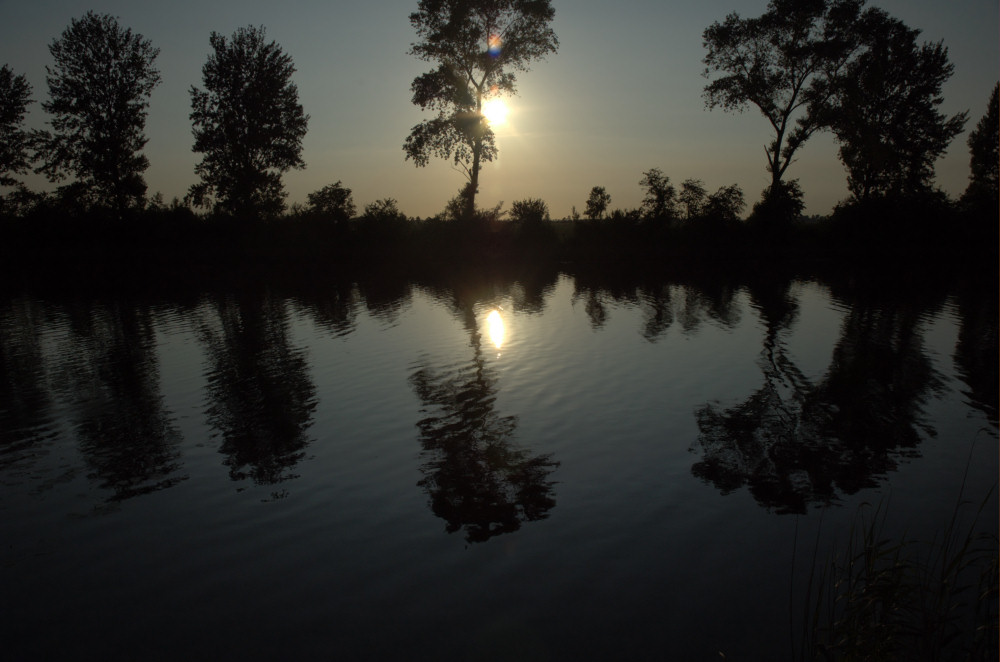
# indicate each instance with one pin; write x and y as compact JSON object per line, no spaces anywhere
{"x":100,"y":216}
{"x":887,"y":233}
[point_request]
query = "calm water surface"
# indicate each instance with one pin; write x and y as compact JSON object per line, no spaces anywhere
{"x":378,"y":470}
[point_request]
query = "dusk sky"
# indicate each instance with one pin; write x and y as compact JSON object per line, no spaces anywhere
{"x":623,"y":94}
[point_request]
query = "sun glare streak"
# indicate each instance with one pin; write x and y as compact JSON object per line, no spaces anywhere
{"x":495,"y":328}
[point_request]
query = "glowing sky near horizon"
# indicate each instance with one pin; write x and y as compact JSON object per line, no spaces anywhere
{"x":622,"y":95}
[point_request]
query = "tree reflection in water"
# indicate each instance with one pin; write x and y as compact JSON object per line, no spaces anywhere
{"x":794,"y":443}
{"x":663,"y":302}
{"x":260,"y":395}
{"x":478,"y":479}
{"x":25,"y":401}
{"x":125,"y":434}
{"x":976,"y":350}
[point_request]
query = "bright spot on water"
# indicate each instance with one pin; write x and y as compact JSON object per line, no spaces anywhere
{"x":495,"y":328}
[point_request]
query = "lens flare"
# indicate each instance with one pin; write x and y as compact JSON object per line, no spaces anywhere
{"x":495,"y":328}
{"x":494,"y":45}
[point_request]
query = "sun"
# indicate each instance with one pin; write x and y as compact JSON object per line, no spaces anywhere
{"x":495,"y":111}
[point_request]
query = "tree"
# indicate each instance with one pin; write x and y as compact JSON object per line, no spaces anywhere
{"x":984,"y":163}
{"x":477,"y":46}
{"x":692,"y":196}
{"x":884,"y":112}
{"x":530,"y":210}
{"x":333,"y":201}
{"x":782,"y":63}
{"x":248,"y":124}
{"x":382,"y":222}
{"x":99,"y":91}
{"x":597,"y":203}
{"x":780,"y":205}
{"x":659,"y":202}
{"x":15,"y":95}
{"x":384,"y":210}
{"x":726,"y":204}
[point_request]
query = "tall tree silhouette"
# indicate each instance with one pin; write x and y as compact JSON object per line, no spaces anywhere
{"x":261,"y":398}
{"x":477,"y":45}
{"x":885,"y":113}
{"x":781,"y":62}
{"x":984,"y":162}
{"x":99,"y":89}
{"x":248,"y":124}
{"x":15,"y":95}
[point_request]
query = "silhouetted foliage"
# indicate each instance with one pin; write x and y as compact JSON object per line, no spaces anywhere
{"x":530,"y":210}
{"x":99,"y":89}
{"x":619,"y":216}
{"x":660,"y":200}
{"x":692,"y":197}
{"x":779,"y":207}
{"x":385,"y":210}
{"x":532,"y":224}
{"x":782,"y":63}
{"x":382,"y":224}
{"x":597,"y":203}
{"x":726,"y":204}
{"x":984,"y":164}
{"x":15,"y":95}
{"x":884,"y":110}
{"x":477,"y":46}
{"x":333,"y":202}
{"x":248,"y":124}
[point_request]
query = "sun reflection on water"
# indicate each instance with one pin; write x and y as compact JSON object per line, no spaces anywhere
{"x":495,"y":328}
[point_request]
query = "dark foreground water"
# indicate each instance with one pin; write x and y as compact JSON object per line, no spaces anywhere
{"x":375,"y":469}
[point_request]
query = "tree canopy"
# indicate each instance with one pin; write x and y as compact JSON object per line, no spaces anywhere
{"x":529,"y":210}
{"x":15,"y":95}
{"x":984,"y":147}
{"x":99,"y":89}
{"x":333,"y":201}
{"x":660,"y":200}
{"x":884,"y":111}
{"x":478,"y":46}
{"x":597,"y":202}
{"x":782,"y":63}
{"x":248,"y":123}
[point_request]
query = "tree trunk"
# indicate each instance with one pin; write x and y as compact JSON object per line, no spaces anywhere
{"x":477,"y":148}
{"x":470,"y":200}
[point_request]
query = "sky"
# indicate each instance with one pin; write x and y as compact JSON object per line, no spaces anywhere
{"x":623,"y":94}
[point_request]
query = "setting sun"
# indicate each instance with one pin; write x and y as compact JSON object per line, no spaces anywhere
{"x":495,"y":110}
